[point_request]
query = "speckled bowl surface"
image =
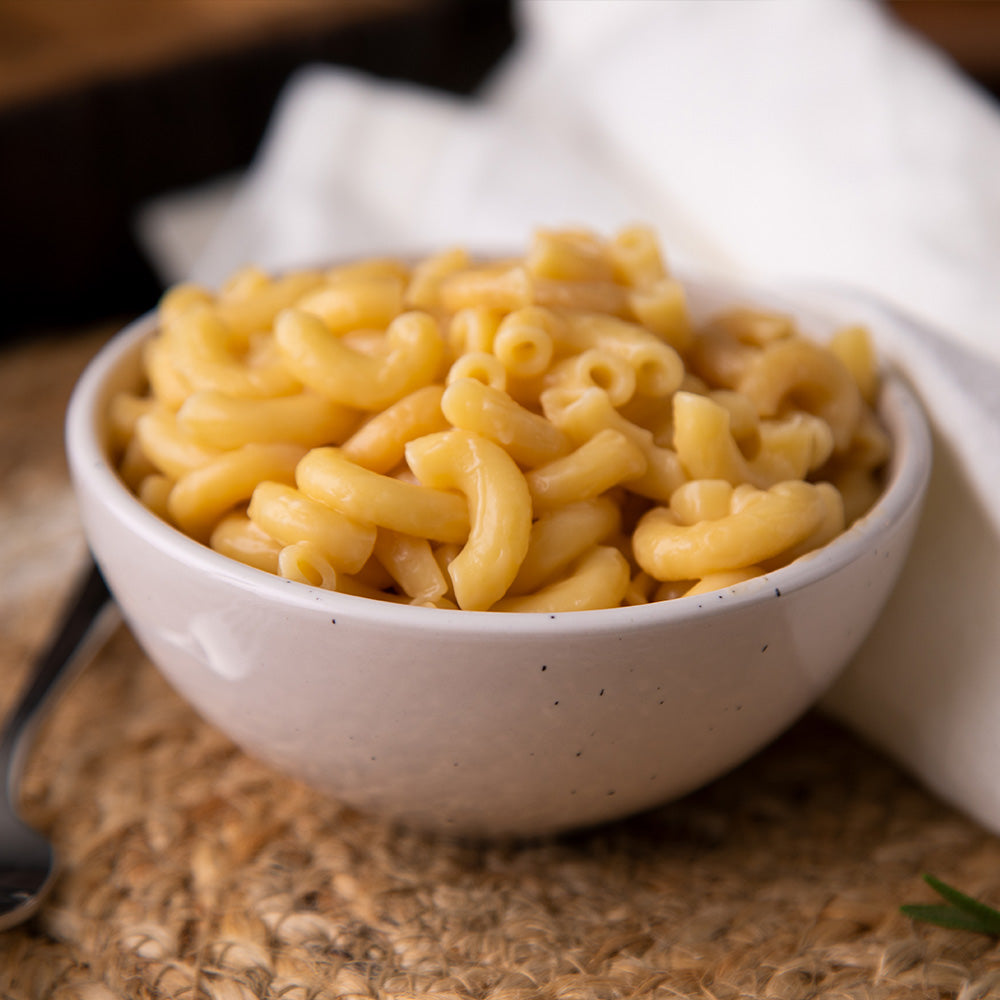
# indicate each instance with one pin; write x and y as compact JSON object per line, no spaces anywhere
{"x":486,"y":723}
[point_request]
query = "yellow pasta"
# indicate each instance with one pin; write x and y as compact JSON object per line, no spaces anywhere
{"x":365,"y":303}
{"x":218,"y":420}
{"x":701,"y":500}
{"x":858,"y":489}
{"x":546,"y":433}
{"x":830,"y":524}
{"x":583,"y":416}
{"x":529,"y":438}
{"x":362,"y":270}
{"x":640,"y":589}
{"x":169,"y":446}
{"x":208,"y":354}
{"x":473,"y":329}
{"x":562,"y":535}
{"x":569,"y":255}
{"x":662,"y":308}
{"x":202,"y":496}
{"x":524,"y":341}
{"x":124,"y":412}
{"x":411,"y":563}
{"x":329,"y":477}
{"x":181,"y":297}
{"x":154,"y":492}
{"x":250,"y":305}
{"x":813,"y":379}
{"x":707,"y":449}
{"x":135,"y":465}
{"x":494,"y":286}
{"x":379,"y":444}
{"x":239,"y":538}
{"x":424,"y":291}
{"x":481,"y":366}
{"x":635,"y":257}
{"x":412,"y":356}
{"x":764,"y":525}
{"x":240,"y":285}
{"x":499,"y":511}
{"x":596,"y":368}
{"x":289,"y":516}
{"x":718,"y":358}
{"x":595,"y":297}
{"x":306,"y":563}
{"x":607,"y":459}
{"x":356,"y":586}
{"x":658,"y":367}
{"x":853,"y":347}
{"x":744,"y":424}
{"x":754,"y":326}
{"x":600,"y":580}
{"x":168,"y":387}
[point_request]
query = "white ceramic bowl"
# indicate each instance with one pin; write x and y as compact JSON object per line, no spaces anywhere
{"x":481,"y":722}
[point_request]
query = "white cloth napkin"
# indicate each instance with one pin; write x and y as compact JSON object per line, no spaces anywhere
{"x":772,"y":140}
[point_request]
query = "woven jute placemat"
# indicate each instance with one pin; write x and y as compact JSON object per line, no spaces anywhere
{"x":192,"y":871}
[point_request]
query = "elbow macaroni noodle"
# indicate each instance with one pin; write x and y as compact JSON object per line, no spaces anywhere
{"x":552,"y":433}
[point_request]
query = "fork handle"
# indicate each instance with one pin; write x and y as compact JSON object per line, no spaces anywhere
{"x":87,"y":623}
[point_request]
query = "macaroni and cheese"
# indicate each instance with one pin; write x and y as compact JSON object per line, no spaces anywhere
{"x":549,"y":433}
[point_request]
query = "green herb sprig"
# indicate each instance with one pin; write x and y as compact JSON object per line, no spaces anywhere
{"x":959,"y":912}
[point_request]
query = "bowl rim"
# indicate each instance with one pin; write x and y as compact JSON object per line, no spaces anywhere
{"x":906,"y":482}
